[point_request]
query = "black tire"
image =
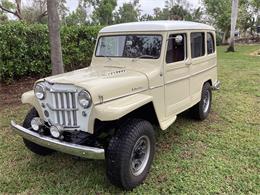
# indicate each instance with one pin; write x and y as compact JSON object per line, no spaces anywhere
{"x":201,"y":110}
{"x":35,"y":148}
{"x":122,"y":150}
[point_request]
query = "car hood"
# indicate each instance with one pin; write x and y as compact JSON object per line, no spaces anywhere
{"x":104,"y":83}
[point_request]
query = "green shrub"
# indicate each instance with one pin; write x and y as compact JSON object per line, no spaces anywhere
{"x":78,"y":43}
{"x":25,"y":51}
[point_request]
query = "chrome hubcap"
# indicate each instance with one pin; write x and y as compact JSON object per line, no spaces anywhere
{"x":140,"y":155}
{"x":206,"y":101}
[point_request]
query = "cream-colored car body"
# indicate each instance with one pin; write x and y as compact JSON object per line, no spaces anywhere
{"x":118,"y":86}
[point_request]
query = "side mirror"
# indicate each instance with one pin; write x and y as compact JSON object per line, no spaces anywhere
{"x":178,"y":39}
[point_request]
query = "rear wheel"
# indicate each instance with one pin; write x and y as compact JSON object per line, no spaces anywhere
{"x":201,"y":110}
{"x":35,"y":148}
{"x":130,"y":153}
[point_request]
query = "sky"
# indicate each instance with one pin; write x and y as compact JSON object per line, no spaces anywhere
{"x":147,"y":6}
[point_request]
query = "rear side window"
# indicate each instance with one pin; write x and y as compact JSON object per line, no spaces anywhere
{"x":176,"y":49}
{"x":210,"y":43}
{"x":197,"y":44}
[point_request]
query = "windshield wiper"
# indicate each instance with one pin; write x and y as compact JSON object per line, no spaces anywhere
{"x":144,"y":56}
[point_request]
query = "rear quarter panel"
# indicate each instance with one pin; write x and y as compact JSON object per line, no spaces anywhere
{"x":203,"y":68}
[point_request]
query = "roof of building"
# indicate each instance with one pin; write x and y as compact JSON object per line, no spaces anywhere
{"x":166,"y":25}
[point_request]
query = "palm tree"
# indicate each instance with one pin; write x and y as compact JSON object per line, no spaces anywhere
{"x":233,"y":25}
{"x":54,"y":36}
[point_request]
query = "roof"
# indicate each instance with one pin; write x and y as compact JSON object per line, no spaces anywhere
{"x":164,"y":25}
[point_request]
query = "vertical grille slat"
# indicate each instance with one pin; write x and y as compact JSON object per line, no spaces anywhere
{"x":62,"y":106}
{"x":71,"y":115}
{"x":74,"y":106}
{"x":57,"y":107}
{"x":54,"y":105}
{"x":68,"y":106}
{"x":63,"y":103}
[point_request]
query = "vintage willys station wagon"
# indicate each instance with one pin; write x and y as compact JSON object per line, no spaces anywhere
{"x":142,"y":74}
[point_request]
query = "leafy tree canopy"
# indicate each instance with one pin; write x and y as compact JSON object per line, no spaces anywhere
{"x":129,"y":12}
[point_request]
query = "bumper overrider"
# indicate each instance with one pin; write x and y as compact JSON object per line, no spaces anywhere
{"x":216,"y":85}
{"x":55,"y":144}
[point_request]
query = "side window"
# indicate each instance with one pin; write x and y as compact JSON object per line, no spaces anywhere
{"x":210,"y":43}
{"x":197,"y":44}
{"x":176,"y":49}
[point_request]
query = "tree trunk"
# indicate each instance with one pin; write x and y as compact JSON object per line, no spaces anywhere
{"x":233,"y":26}
{"x":17,"y":12}
{"x":54,"y":37}
{"x":224,"y":37}
{"x":18,"y":9}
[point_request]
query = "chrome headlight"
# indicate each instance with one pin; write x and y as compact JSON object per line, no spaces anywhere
{"x":84,"y":99}
{"x":39,"y":91}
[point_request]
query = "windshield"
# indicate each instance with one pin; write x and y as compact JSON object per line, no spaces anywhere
{"x":130,"y":46}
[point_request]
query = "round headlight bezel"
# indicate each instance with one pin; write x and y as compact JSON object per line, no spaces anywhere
{"x":84,"y":99}
{"x":56,"y":131}
{"x":36,"y":123}
{"x":39,"y":91}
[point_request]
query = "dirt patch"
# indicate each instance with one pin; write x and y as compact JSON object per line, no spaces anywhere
{"x":10,"y":94}
{"x":162,"y":178}
{"x":255,"y":53}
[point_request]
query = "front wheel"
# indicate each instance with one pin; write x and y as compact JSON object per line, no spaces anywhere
{"x":130,"y":153}
{"x":35,"y":148}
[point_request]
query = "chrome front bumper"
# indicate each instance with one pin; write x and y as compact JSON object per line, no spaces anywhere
{"x":70,"y":148}
{"x":216,"y":85}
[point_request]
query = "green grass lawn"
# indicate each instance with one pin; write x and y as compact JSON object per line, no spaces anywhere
{"x":218,"y":155}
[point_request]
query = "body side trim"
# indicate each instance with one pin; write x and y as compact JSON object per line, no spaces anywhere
{"x":194,"y":74}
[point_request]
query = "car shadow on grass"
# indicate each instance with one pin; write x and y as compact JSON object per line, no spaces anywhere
{"x":64,"y":173}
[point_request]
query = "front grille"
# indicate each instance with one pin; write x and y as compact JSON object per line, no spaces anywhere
{"x":61,"y":107}
{"x":64,"y":106}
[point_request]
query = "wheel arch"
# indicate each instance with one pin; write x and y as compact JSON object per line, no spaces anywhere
{"x":146,"y":112}
{"x":138,"y":106}
{"x":208,"y":81}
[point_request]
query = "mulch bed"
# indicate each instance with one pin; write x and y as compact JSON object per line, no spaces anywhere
{"x":10,"y":94}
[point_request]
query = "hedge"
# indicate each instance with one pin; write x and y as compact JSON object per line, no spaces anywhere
{"x":24,"y":49}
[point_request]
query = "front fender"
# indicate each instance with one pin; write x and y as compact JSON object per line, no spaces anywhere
{"x":116,"y":109}
{"x":29,"y":98}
